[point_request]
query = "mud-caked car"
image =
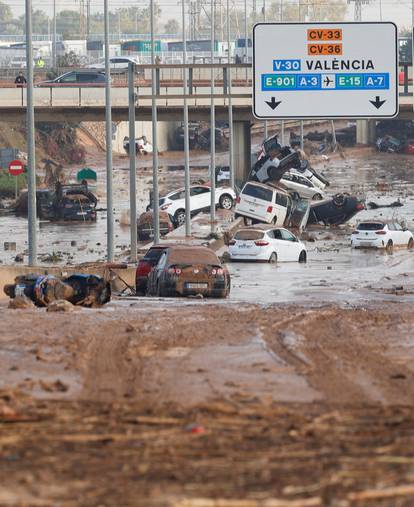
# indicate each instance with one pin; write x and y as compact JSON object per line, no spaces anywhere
{"x":189,"y":271}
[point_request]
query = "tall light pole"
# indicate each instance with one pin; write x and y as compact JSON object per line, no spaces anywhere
{"x":186,"y":141}
{"x":231,"y":147}
{"x":108,"y":138}
{"x":245,"y":32}
{"x":155,"y":191}
{"x":54,"y":35}
{"x":31,"y":160}
{"x":265,"y":133}
{"x":132,"y":163}
{"x":212,"y":129}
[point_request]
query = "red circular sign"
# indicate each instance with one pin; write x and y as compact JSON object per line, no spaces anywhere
{"x":16,"y":167}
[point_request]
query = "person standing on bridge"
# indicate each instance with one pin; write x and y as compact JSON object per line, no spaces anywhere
{"x":20,"y":80}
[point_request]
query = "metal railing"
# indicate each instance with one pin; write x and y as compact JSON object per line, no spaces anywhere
{"x":169,"y":87}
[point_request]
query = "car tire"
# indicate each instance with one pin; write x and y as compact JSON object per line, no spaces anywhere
{"x":317,"y":197}
{"x":179,"y":217}
{"x":247,"y":221}
{"x":303,"y":257}
{"x":390,"y":247}
{"x":226,"y":201}
{"x":410,"y":243}
{"x":273,"y":258}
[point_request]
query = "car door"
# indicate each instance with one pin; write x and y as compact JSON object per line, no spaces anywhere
{"x":401,"y":236}
{"x":278,"y":243}
{"x":291,"y":245}
{"x":199,"y":198}
{"x":156,"y":272}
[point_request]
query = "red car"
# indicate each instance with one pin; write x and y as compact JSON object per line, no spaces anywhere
{"x":145,"y":266}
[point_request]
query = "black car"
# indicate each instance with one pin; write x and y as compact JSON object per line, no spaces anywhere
{"x":335,"y":210}
{"x":76,"y":78}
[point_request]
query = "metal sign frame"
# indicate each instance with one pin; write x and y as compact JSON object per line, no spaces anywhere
{"x":273,"y":114}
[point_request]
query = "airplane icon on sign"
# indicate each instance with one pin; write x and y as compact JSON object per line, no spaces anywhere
{"x":328,"y":81}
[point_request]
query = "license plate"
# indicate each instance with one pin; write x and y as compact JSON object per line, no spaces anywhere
{"x":82,"y":213}
{"x":245,"y":245}
{"x":196,"y":285}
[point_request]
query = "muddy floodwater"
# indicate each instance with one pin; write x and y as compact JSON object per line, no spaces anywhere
{"x":296,"y":391}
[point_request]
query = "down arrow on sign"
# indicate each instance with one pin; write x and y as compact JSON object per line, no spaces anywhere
{"x":273,"y":103}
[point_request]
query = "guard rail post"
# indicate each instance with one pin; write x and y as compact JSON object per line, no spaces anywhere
{"x":405,"y":79}
{"x":225,"y":80}
{"x":190,"y":81}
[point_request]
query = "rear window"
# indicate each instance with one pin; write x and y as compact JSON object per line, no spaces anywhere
{"x":154,"y":254}
{"x":246,"y":235}
{"x":370,"y":226}
{"x":192,"y":256}
{"x":258,"y":192}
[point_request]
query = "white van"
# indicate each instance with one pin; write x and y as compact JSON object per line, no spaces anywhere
{"x":263,"y":203}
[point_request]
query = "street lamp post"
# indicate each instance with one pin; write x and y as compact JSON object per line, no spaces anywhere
{"x":31,"y":160}
{"x":186,"y":140}
{"x":108,"y":138}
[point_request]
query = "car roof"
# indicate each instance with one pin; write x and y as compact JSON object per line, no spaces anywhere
{"x":272,"y":186}
{"x":182,"y":189}
{"x":261,"y":227}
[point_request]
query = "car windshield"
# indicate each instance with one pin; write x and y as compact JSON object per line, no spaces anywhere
{"x":192,"y":256}
{"x":249,"y":235}
{"x":370,"y":226}
{"x":258,"y":192}
{"x":154,"y":254}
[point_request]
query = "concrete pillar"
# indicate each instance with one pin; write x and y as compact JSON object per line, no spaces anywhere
{"x":242,"y":151}
{"x":366,"y":131}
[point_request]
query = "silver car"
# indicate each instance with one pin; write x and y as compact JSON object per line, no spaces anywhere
{"x":303,"y":186}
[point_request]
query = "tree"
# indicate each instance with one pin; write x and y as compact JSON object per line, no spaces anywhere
{"x":68,"y":24}
{"x":172,"y":26}
{"x":40,"y":22}
{"x":313,"y":10}
{"x":8,"y":25}
{"x":5,"y":13}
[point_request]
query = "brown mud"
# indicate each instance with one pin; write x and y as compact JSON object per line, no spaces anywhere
{"x":151,"y":404}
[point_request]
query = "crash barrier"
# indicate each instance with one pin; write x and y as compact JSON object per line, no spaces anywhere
{"x":9,"y":273}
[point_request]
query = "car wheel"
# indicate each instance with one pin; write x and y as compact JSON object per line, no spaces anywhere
{"x":303,"y":256}
{"x":226,"y":201}
{"x":410,"y":243}
{"x":317,"y":197}
{"x":247,"y":221}
{"x":273,"y":258}
{"x":390,"y":247}
{"x":179,"y":217}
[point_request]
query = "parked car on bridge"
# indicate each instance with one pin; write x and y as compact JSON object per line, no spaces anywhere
{"x":381,"y":234}
{"x":76,"y":78}
{"x":117,"y":64}
{"x":267,"y":244}
{"x":184,"y":270}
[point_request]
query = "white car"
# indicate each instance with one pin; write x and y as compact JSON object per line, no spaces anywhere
{"x":269,"y":244}
{"x":302,"y":185}
{"x":379,"y":234}
{"x":263,"y":203}
{"x":117,"y":64}
{"x":200,"y":196}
